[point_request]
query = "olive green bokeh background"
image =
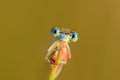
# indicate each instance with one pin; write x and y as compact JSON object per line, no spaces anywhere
{"x":25,"y":38}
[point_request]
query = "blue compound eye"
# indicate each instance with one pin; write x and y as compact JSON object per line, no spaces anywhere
{"x":55,"y":32}
{"x":74,"y":36}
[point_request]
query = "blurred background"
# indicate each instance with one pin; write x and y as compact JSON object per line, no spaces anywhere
{"x":25,"y":37}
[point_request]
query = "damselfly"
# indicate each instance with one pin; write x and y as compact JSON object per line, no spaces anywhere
{"x":59,"y":51}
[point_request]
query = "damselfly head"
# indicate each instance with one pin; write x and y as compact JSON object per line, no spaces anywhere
{"x":64,"y":35}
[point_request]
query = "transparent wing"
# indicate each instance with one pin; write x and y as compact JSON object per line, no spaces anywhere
{"x":53,"y":46}
{"x":69,"y":50}
{"x":52,"y":50}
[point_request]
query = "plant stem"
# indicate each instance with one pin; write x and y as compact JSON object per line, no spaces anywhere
{"x":54,"y":68}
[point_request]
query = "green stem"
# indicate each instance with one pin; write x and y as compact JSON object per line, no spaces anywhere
{"x":54,"y":68}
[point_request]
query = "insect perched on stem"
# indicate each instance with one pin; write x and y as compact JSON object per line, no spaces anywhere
{"x":59,"y":51}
